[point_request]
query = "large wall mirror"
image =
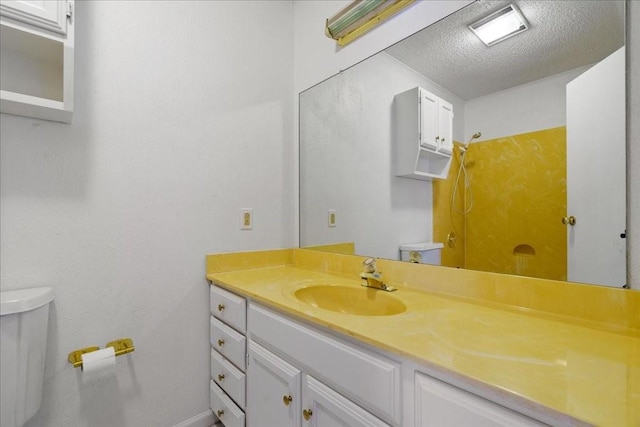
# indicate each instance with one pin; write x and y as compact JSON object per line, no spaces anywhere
{"x":535,"y":182}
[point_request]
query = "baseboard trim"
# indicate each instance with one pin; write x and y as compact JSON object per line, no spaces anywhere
{"x":204,"y":419}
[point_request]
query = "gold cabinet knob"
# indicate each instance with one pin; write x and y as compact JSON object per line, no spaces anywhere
{"x":286,"y":399}
{"x":220,"y":343}
{"x":221,"y":307}
{"x":220,"y":377}
{"x":571,"y":220}
{"x":220,"y":412}
{"x":307,"y":414}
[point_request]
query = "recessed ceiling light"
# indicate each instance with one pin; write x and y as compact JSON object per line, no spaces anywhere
{"x":500,"y":25}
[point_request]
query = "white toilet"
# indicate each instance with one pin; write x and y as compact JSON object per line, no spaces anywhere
{"x":24,"y":316}
{"x":422,"y":253}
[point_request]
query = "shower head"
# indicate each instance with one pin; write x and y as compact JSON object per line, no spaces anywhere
{"x":464,"y":147}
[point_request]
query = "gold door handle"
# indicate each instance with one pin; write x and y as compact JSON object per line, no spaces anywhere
{"x":571,"y":220}
{"x":221,"y":307}
{"x":286,"y":399}
{"x":220,"y":343}
{"x":307,"y":414}
{"x":220,"y":413}
{"x":220,"y":377}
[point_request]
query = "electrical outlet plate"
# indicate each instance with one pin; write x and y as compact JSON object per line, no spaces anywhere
{"x":331,"y":218}
{"x":246,"y":218}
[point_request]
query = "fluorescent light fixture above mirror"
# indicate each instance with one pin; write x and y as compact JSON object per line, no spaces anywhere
{"x":361,"y":16}
{"x":500,"y":25}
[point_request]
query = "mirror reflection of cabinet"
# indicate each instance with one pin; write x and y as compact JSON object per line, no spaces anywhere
{"x":423,"y":134}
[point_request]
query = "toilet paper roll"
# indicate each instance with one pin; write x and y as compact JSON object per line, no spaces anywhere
{"x":98,"y":365}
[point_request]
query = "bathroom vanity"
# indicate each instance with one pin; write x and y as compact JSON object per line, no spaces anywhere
{"x":415,"y":358}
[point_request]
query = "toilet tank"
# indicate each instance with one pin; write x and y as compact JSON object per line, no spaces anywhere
{"x":24,"y":317}
{"x":422,"y":253}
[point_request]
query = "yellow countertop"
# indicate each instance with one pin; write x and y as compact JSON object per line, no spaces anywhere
{"x":548,"y":361}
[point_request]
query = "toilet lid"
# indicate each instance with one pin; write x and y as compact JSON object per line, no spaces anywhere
{"x":21,"y":300}
{"x":422,"y":246}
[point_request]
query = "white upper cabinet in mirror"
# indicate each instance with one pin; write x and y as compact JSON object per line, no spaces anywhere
{"x":517,"y":183}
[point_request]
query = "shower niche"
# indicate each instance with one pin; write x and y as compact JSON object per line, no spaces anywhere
{"x":423,"y":130}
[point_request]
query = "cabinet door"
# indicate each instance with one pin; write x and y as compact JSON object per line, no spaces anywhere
{"x":445,"y":126}
{"x":273,"y":390}
{"x":323,"y":407}
{"x":48,"y":14}
{"x":428,"y":120}
{"x":441,"y":404}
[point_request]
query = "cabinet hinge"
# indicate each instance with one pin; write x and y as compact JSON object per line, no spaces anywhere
{"x":69,"y":10}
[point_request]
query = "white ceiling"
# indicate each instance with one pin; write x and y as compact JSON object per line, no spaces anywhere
{"x":562,"y":35}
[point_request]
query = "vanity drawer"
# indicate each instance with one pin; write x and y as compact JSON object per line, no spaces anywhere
{"x":229,"y":343}
{"x":229,"y":378}
{"x":228,"y":307}
{"x":224,"y":408}
{"x":368,"y":378}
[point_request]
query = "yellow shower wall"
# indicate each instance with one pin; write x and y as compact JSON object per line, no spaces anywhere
{"x":519,"y":198}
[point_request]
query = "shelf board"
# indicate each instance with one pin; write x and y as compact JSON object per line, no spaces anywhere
{"x":424,"y":176}
{"x":32,"y":106}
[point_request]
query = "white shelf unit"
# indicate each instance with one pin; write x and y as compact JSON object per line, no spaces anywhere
{"x":423,"y":143}
{"x":36,"y":60}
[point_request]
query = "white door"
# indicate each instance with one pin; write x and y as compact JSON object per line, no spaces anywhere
{"x":596,"y":174}
{"x":323,"y":407}
{"x":48,"y":14}
{"x":445,"y":126}
{"x":273,"y":390}
{"x":428,"y":120}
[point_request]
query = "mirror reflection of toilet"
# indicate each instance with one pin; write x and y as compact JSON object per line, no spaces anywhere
{"x":422,"y":253}
{"x":24,"y":318}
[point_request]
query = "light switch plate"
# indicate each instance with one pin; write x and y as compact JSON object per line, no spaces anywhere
{"x":331,"y":218}
{"x":246,"y":218}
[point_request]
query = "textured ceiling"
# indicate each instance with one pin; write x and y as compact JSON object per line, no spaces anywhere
{"x":562,"y":35}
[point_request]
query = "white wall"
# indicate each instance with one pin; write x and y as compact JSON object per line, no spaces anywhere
{"x":526,"y":108}
{"x":347,"y":152}
{"x":183,"y":116}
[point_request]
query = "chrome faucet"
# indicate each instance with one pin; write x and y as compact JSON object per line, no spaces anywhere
{"x":372,"y":278}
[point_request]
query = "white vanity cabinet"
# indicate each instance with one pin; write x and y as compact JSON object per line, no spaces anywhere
{"x":279,"y":394}
{"x":36,"y":58}
{"x":438,"y":404}
{"x":423,"y":137}
{"x":300,"y":375}
{"x":343,"y":384}
{"x":228,"y":356}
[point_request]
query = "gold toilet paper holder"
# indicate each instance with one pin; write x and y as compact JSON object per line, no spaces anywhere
{"x":120,"y":347}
